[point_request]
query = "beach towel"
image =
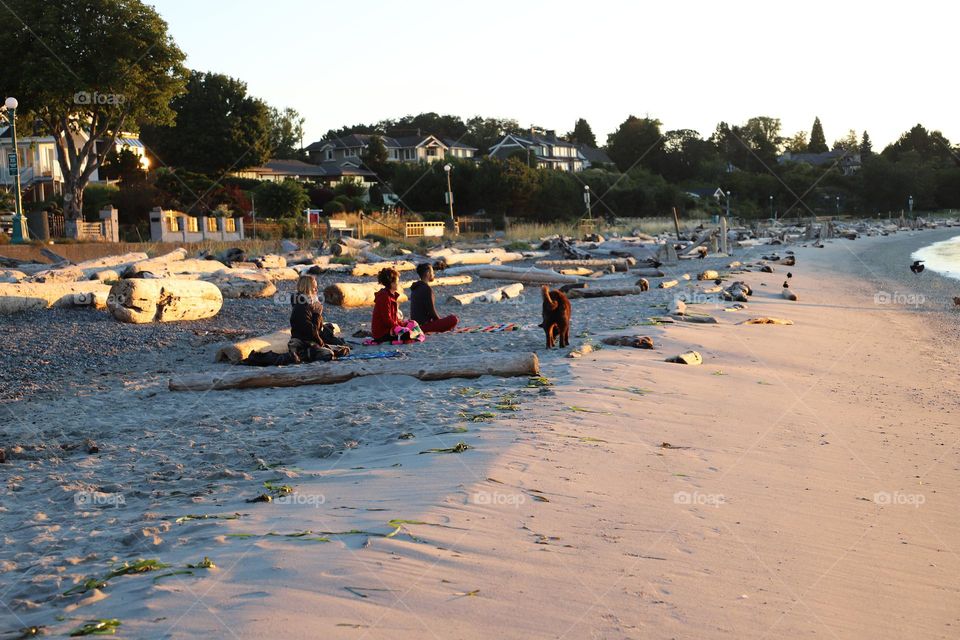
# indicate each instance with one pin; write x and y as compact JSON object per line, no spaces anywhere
{"x":375,"y":356}
{"x":493,"y":328}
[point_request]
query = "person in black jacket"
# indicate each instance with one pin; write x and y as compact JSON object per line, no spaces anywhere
{"x":422,"y":306}
{"x":310,"y":338}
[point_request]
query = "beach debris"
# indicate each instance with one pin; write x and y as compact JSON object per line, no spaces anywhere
{"x":526,"y":274}
{"x":453,"y":258}
{"x":28,"y":632}
{"x":460,"y":447}
{"x":470,"y":366}
{"x":275,"y":342}
{"x":709,"y":274}
{"x":644,"y":284}
{"x":917,"y":266}
{"x":696,"y":318}
{"x":101,"y":627}
{"x":737,"y":291}
{"x":360,"y":294}
{"x":667,"y":284}
{"x":28,"y":296}
{"x":243,"y":285}
{"x":956,"y":302}
{"x":581,"y":351}
{"x":206,"y":563}
{"x":127,"y":568}
{"x":372,"y":269}
{"x":619,"y":264}
{"x":637,"y":342}
{"x":538,"y":382}
{"x":677,"y":307}
{"x":649,"y":273}
{"x":490,"y":295}
{"x":667,"y":445}
{"x":406,"y":435}
{"x":604,"y":293}
{"x":789,"y":261}
{"x":766,"y":268}
{"x":207,"y":516}
{"x":263,"y":497}
{"x":144,"y":301}
{"x":358,"y":591}
{"x":767,"y":320}
{"x":688,"y":357}
{"x":789,"y":295}
{"x":573,"y":285}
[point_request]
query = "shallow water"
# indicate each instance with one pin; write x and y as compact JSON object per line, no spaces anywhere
{"x":942,"y":257}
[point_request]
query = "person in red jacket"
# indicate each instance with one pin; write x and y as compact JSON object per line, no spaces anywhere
{"x":386,"y":309}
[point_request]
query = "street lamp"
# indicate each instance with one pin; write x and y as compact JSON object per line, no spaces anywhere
{"x":838,"y":205}
{"x":771,"y":209}
{"x":910,"y":203}
{"x":586,"y":198}
{"x":19,"y":233}
{"x":447,"y":167}
{"x":728,"y":204}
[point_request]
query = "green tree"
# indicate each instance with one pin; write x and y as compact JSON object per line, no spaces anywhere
{"x":636,"y":142}
{"x":124,"y":166}
{"x":818,"y":142}
{"x":866,"y":146}
{"x":797,"y":143}
{"x":483,"y":133}
{"x":219,"y":128}
{"x":281,"y":199}
{"x":88,"y":70}
{"x":375,"y":158}
{"x":286,"y":134}
{"x":925,"y":145}
{"x":582,"y":133}
{"x":849,"y":143}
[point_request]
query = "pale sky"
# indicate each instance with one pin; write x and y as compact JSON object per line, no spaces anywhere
{"x":879,"y":66}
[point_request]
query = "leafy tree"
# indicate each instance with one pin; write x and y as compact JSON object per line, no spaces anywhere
{"x":375,"y":158}
{"x":281,"y":199}
{"x":582,"y":134}
{"x":124,"y":166}
{"x":89,"y":70}
{"x":926,"y":145}
{"x":219,"y":128}
{"x":483,"y":133}
{"x":866,"y":146}
{"x":343,"y":132}
{"x":637,"y":141}
{"x":797,"y":143}
{"x":849,"y":143}
{"x":286,"y":134}
{"x":446,"y":126}
{"x":687,"y":156}
{"x":818,"y":142}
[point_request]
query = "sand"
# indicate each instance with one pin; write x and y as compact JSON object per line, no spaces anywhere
{"x":808,"y":489}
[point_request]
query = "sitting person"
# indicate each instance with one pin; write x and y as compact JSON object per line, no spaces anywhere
{"x":310,"y":338}
{"x":387,"y":324}
{"x":422,"y":306}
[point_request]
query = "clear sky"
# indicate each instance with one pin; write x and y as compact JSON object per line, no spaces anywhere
{"x":879,"y":66}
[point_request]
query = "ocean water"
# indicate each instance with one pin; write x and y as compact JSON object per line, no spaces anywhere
{"x":942,"y":257}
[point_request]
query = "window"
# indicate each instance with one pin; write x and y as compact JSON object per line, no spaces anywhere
{"x":431,"y":152}
{"x":173,"y":224}
{"x":192,"y":225}
{"x":211,"y":225}
{"x":329,"y":154}
{"x":230,"y":225}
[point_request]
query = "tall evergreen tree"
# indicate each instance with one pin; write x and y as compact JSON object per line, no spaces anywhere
{"x":582,"y":133}
{"x":866,"y":147}
{"x":818,"y":142}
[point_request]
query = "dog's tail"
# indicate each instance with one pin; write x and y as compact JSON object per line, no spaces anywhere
{"x":548,"y":298}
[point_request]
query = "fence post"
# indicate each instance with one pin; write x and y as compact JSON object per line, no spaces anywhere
{"x":110,"y":223}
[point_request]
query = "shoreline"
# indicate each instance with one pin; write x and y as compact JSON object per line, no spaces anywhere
{"x":569,"y":517}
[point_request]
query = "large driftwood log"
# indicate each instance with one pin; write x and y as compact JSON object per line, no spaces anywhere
{"x":361,"y":270}
{"x":347,"y":246}
{"x":486,"y":257}
{"x":604,"y":293}
{"x":526,"y":274}
{"x":157,"y":263}
{"x":141,"y":301}
{"x":275,"y":342}
{"x":649,"y":273}
{"x":11,"y":276}
{"x":15,"y":298}
{"x":619,"y":264}
{"x":243,"y":285}
{"x":271,"y":261}
{"x":490,"y":295}
{"x":360,"y":294}
{"x":472,"y":366}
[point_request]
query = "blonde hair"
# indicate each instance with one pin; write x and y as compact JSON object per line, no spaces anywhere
{"x":306,"y":285}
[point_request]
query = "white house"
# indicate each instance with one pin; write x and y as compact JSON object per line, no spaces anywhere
{"x":549,"y":151}
{"x":413,"y":149}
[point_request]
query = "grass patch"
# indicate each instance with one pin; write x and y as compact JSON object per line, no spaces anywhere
{"x":538,"y":382}
{"x":102,"y":627}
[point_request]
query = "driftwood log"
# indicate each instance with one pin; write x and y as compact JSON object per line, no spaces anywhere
{"x":271,"y":261}
{"x":709,"y":274}
{"x":361,"y":270}
{"x":11,"y":276}
{"x":649,"y":273}
{"x":527,"y":274}
{"x":28,"y":296}
{"x":360,"y":294}
{"x":472,"y":366}
{"x":141,"y":301}
{"x":347,"y":246}
{"x":789,"y":295}
{"x":604,"y":293}
{"x":243,"y":285}
{"x":689,"y":357}
{"x":668,"y":284}
{"x":477,"y":257}
{"x":637,"y":342}
{"x":767,"y":320}
{"x":275,"y":342}
{"x":157,"y":263}
{"x":490,"y":295}
{"x":620,"y":264}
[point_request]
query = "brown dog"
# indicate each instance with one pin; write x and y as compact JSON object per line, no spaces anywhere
{"x":556,"y":317}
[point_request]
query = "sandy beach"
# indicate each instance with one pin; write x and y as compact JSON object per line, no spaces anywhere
{"x":801,"y":482}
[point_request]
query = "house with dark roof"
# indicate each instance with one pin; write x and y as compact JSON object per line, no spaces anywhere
{"x":849,"y":162}
{"x":329,"y":173}
{"x":593,"y":157}
{"x":542,"y":147}
{"x":412,"y":148}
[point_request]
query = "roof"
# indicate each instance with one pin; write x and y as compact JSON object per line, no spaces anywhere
{"x":818,"y":159}
{"x":594,"y":155}
{"x":456,"y":144}
{"x":360,"y":140}
{"x":294,"y":167}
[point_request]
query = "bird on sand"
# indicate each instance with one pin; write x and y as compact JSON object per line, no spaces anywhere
{"x":917,"y":266}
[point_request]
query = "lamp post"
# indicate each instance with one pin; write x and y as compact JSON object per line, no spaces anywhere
{"x":586,"y":199}
{"x":910,"y":203}
{"x":772,"y":215}
{"x":19,"y":234}
{"x":838,"y":205}
{"x":728,"y":204}
{"x":453,"y":221}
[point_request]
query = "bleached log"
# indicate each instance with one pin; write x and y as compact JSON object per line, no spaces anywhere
{"x":471,"y":366}
{"x":360,"y":294}
{"x":361,"y":270}
{"x":10,"y":276}
{"x":487,"y":257}
{"x":279,"y":274}
{"x":490,"y":295}
{"x":709,"y":274}
{"x":347,"y":246}
{"x":141,"y":301}
{"x":275,"y":342}
{"x":271,"y":261}
{"x":28,"y":296}
{"x":649,"y":273}
{"x":526,"y":274}
{"x":620,"y":264}
{"x":157,"y":263}
{"x":677,"y":307}
{"x":667,"y":284}
{"x":767,"y":320}
{"x":604,"y":293}
{"x":577,"y":271}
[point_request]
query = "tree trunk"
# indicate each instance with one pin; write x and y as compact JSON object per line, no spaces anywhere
{"x":72,"y":198}
{"x":472,"y":366}
{"x":141,"y":301}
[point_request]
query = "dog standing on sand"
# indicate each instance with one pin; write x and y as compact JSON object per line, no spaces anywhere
{"x":556,"y":317}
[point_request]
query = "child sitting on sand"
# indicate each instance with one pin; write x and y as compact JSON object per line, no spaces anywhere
{"x":388,"y":324}
{"x":422,"y":306}
{"x":310,"y":338}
